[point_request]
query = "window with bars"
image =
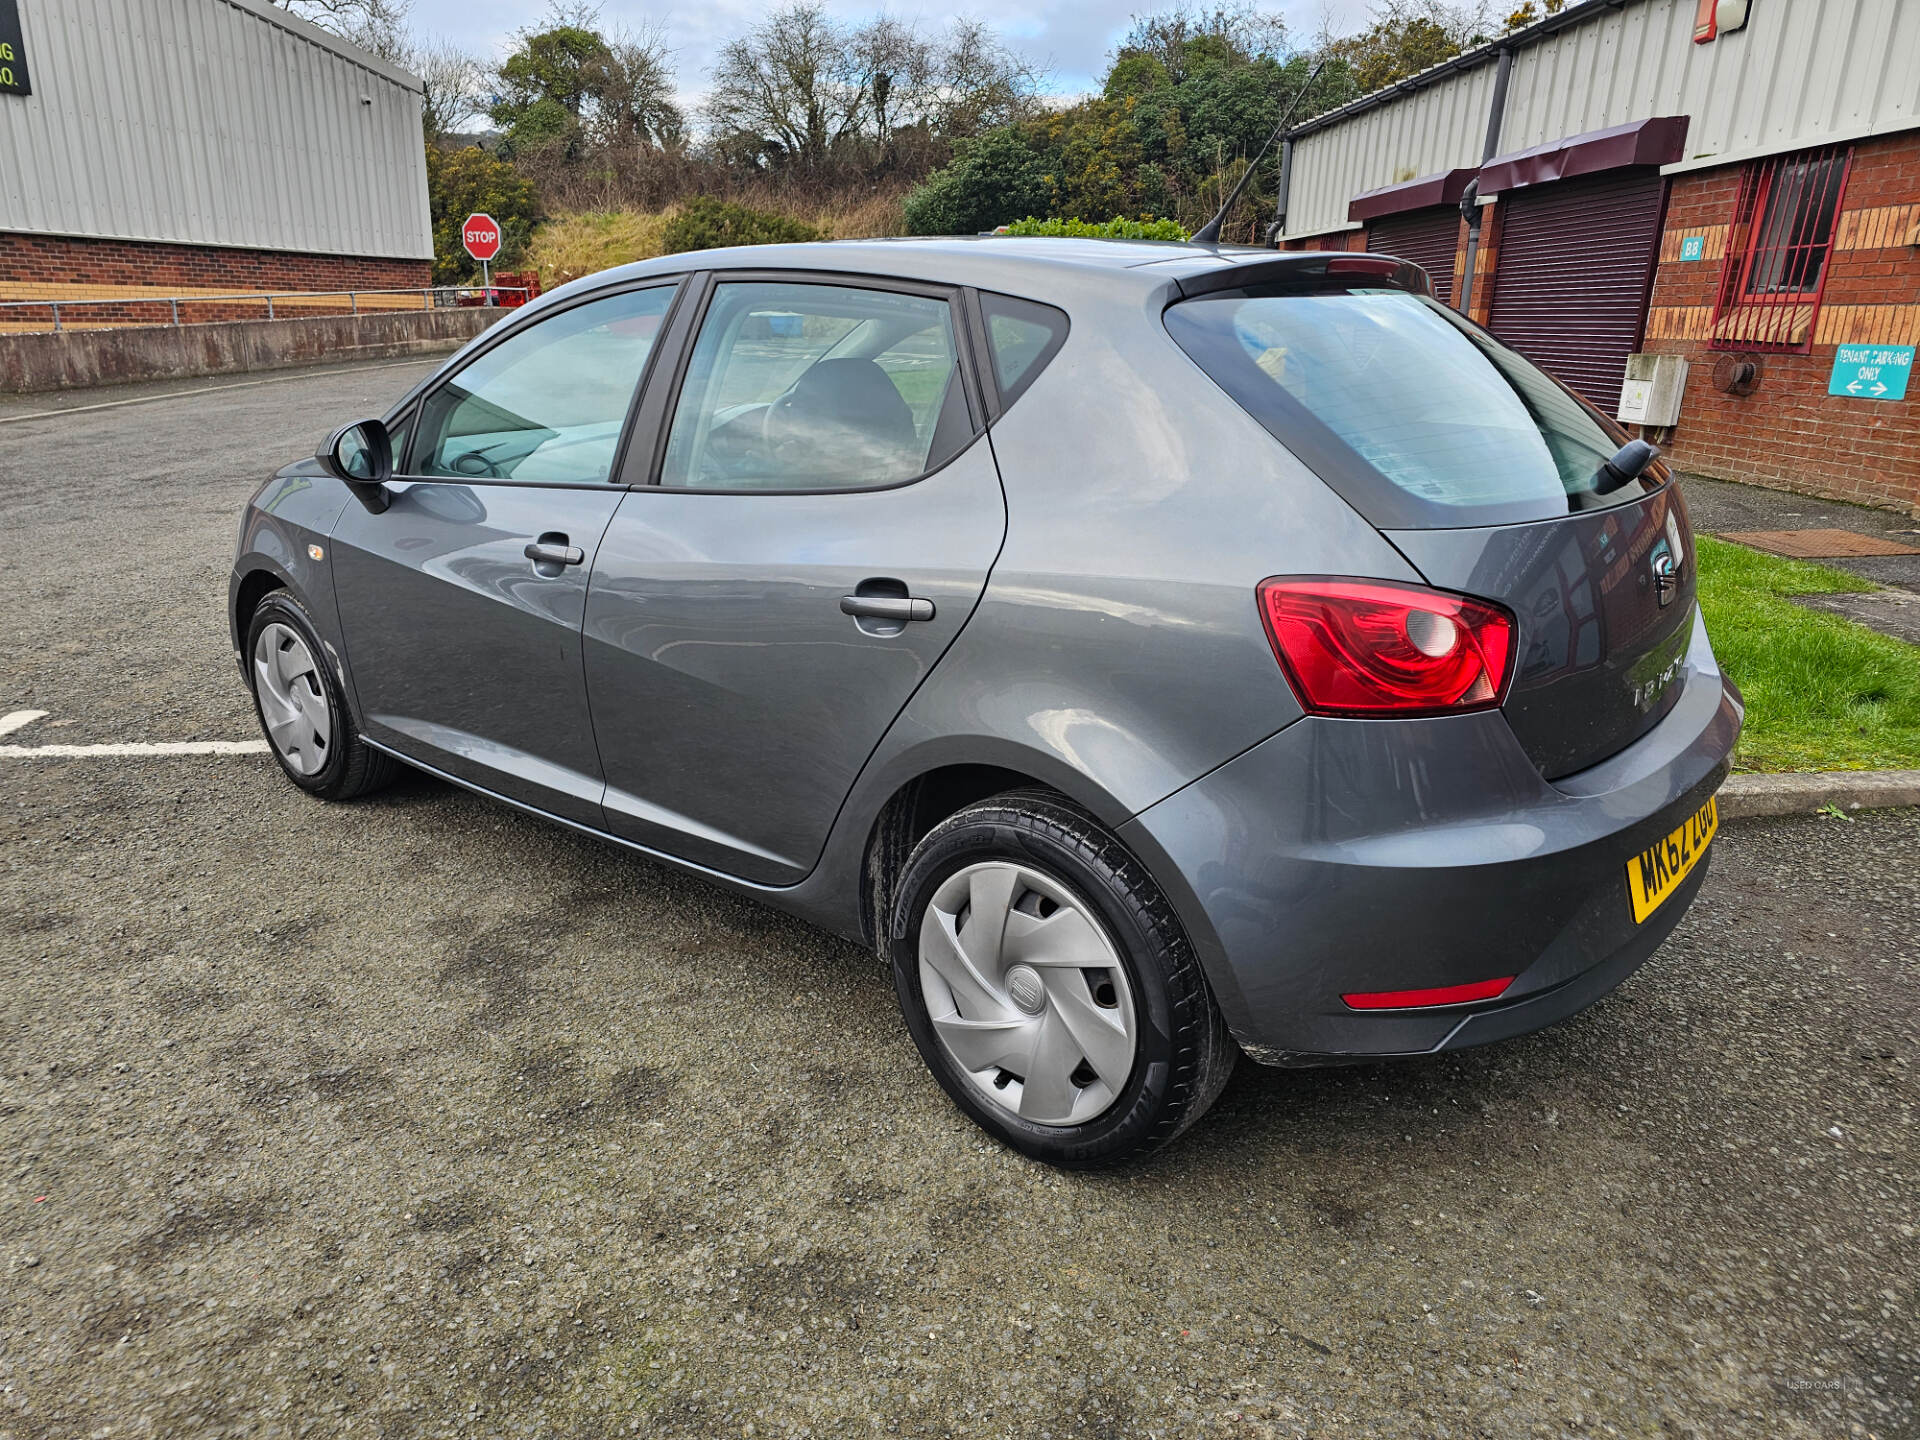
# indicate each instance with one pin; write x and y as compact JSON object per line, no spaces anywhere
{"x":1775,"y":267}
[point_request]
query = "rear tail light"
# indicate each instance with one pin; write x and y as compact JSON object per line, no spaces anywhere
{"x":1368,"y":648}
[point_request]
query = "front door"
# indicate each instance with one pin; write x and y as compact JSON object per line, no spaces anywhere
{"x":823,"y":525}
{"x":461,"y":603}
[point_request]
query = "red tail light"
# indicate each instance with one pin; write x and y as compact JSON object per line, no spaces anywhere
{"x":1369,"y":648}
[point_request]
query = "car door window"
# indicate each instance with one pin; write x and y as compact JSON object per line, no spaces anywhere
{"x":797,"y":386}
{"x":547,"y":404}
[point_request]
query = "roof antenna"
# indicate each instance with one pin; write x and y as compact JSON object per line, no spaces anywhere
{"x":1209,"y":233}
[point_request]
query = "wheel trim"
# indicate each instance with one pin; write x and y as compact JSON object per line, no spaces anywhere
{"x":293,"y":699}
{"x":1058,"y":1052}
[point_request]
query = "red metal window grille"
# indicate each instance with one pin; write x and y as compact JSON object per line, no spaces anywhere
{"x":1775,"y":268}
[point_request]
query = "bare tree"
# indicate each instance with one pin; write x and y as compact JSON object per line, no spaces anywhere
{"x":454,"y":81}
{"x":634,"y":103}
{"x":981,"y":82}
{"x":346,"y":16}
{"x":789,"y":88}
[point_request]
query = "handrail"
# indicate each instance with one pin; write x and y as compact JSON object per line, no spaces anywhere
{"x":427,"y":294}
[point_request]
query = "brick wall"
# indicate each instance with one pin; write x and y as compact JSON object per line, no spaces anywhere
{"x":1790,"y":433}
{"x":57,"y":262}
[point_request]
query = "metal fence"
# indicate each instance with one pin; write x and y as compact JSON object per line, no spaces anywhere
{"x":130,"y":310}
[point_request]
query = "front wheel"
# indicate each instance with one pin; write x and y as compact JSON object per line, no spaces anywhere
{"x":1049,"y":987}
{"x":301,"y":708}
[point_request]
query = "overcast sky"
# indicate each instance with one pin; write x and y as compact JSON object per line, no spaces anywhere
{"x":1070,"y":37}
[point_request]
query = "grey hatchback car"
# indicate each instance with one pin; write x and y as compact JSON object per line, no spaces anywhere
{"x":1155,"y":652}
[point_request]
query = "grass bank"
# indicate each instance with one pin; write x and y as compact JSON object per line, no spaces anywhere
{"x":571,"y":245}
{"x":1822,"y":692}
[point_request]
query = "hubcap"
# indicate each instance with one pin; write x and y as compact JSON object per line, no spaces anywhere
{"x":1027,"y":994}
{"x":293,"y":702}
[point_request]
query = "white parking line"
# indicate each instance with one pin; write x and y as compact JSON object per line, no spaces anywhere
{"x":16,"y":719}
{"x":169,"y":747}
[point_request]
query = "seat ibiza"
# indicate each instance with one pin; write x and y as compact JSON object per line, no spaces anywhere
{"x":1155,"y":652}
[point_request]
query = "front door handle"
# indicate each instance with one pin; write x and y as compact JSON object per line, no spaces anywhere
{"x":897,"y":608}
{"x":548,"y":552}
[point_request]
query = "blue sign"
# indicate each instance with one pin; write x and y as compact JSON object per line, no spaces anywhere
{"x":1871,"y":372}
{"x":1692,"y":247}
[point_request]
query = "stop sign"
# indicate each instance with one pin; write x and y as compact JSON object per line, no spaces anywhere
{"x":481,"y":236}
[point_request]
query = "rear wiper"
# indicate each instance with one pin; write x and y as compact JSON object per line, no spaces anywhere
{"x":1627,"y":463}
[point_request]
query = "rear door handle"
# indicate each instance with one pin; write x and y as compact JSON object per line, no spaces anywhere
{"x":897,"y":608}
{"x":544,"y":552}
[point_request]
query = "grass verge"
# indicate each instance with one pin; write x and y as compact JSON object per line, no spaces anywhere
{"x":1822,"y":692}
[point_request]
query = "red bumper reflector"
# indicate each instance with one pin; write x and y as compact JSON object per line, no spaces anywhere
{"x":1418,"y":999}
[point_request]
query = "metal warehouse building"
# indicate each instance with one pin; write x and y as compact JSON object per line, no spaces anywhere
{"x":1704,"y":215}
{"x":202,"y":146}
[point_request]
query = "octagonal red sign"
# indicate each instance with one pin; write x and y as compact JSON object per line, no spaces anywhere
{"x":481,"y":236}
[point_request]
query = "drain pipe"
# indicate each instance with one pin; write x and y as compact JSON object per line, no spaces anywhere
{"x":1279,"y":226}
{"x":1470,"y":206}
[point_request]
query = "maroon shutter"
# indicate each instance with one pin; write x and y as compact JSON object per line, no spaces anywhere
{"x":1426,"y":237}
{"x":1573,"y":274}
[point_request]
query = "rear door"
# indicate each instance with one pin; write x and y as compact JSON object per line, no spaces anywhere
{"x":816,"y":529}
{"x":464,"y":647}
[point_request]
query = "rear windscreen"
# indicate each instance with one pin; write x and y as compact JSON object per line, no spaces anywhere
{"x":1416,"y":417}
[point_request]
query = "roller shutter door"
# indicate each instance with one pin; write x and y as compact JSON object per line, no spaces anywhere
{"x":1426,"y":237}
{"x":1574,"y":272}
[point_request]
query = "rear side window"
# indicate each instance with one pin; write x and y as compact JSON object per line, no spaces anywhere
{"x":1416,"y":417}
{"x":1022,"y":337}
{"x":803,"y":386}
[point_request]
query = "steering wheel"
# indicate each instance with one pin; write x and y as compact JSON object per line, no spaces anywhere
{"x":476,"y":464}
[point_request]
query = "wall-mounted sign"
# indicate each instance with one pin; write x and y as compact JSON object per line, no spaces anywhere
{"x":1871,"y":372}
{"x":1692,"y":247}
{"x":13,"y":52}
{"x":1713,"y":18}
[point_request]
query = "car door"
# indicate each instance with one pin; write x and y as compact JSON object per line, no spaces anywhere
{"x":461,"y":602}
{"x":816,"y":528}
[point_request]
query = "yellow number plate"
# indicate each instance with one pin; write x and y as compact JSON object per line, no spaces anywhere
{"x":1656,"y":872}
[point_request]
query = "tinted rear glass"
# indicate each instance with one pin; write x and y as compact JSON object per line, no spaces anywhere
{"x":1418,"y":418}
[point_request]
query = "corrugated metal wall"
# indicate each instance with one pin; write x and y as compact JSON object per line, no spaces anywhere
{"x":1803,"y":72}
{"x":210,"y":122}
{"x":1438,"y":128}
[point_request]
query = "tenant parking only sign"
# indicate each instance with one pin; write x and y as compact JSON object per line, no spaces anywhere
{"x":13,"y":51}
{"x":1871,"y":372}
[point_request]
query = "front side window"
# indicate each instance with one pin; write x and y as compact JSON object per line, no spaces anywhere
{"x":798,"y":386}
{"x":547,"y":404}
{"x":1778,"y":246}
{"x":1417,"y":417}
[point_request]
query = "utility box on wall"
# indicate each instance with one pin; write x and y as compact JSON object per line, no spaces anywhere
{"x":1651,"y":393}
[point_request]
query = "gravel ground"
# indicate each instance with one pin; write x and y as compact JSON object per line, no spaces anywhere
{"x":420,"y":1117}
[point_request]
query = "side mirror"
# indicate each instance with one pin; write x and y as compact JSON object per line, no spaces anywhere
{"x":362,"y":455}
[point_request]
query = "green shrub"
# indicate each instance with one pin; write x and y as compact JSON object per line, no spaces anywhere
{"x":994,"y":179}
{"x":470,"y":181}
{"x":705,"y":223}
{"x":1118,"y":228}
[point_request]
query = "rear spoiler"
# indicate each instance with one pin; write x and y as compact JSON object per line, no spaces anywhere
{"x":1306,"y":271}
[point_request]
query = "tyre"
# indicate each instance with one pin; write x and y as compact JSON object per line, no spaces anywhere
{"x":1049,"y":987}
{"x":302,"y":711}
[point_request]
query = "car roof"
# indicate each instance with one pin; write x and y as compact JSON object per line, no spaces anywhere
{"x":1036,"y":266}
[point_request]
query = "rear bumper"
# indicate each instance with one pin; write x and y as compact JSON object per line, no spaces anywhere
{"x":1342,"y":856}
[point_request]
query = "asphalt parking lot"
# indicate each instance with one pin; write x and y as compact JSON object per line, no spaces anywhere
{"x":420,"y":1117}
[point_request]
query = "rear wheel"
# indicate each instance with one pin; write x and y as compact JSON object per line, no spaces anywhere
{"x":302,"y":711}
{"x":1049,"y":987}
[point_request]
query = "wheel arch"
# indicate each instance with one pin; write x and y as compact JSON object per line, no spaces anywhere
{"x":941,"y":779}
